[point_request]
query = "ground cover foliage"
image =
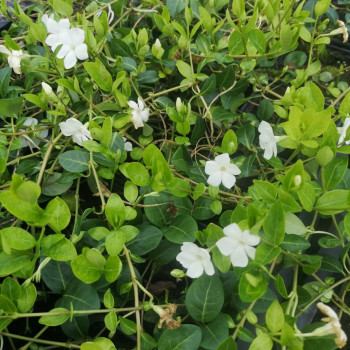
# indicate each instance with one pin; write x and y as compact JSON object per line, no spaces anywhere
{"x":174,"y":175}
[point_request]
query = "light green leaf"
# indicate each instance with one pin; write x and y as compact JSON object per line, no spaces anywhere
{"x":17,"y":238}
{"x":59,"y":214}
{"x":274,"y":224}
{"x":55,"y":320}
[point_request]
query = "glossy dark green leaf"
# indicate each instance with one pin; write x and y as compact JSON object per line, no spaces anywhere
{"x":204,"y":298}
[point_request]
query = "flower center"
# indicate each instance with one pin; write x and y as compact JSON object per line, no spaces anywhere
{"x":223,"y":168}
{"x":198,"y":258}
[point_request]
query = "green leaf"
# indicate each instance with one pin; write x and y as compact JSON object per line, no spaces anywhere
{"x":229,"y":142}
{"x":187,"y":337}
{"x":257,"y":38}
{"x":111,"y":321}
{"x":9,"y":264}
{"x":10,"y":288}
{"x":307,"y":196}
{"x":182,"y":229}
{"x":228,"y":344}
{"x":62,"y":7}
{"x":56,"y":276}
{"x":99,"y":74}
{"x":74,"y":161}
{"x":114,"y":242}
{"x":294,"y":225}
{"x":235,"y":43}
{"x":321,"y":7}
{"x":27,"y":297}
{"x":79,"y":296}
{"x":184,"y":68}
{"x":113,"y":268}
{"x":58,"y":212}
{"x":115,"y":211}
{"x":275,"y":317}
{"x":5,"y":75}
{"x":147,"y":239}
{"x":202,"y":209}
{"x":175,"y":7}
{"x":263,"y":341}
{"x":265,"y":190}
{"x":130,"y":191}
{"x":205,"y":298}
{"x":245,"y":135}
{"x":333,"y":202}
{"x":274,"y":224}
{"x":89,"y":266}
{"x":17,"y":238}
{"x":293,"y":243}
{"x":137,"y":173}
{"x":281,"y":287}
{"x":335,"y":172}
{"x":62,"y":250}
{"x":215,"y":332}
{"x":11,"y":107}
{"x":55,"y":320}
{"x":128,"y":327}
{"x":252,"y":286}
{"x":108,"y":299}
{"x":265,"y":253}
{"x":6,"y":305}
{"x":198,"y":191}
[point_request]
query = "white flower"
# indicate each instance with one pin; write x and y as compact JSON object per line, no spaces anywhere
{"x":14,"y":58}
{"x":139,"y":114}
{"x":73,"y":127}
{"x":157,"y":44}
{"x":332,"y":326}
{"x":26,"y":140}
{"x":238,"y":245}
{"x":54,"y":27}
{"x":268,"y":140}
{"x":342,"y":131}
{"x":195,"y":260}
{"x":222,"y":171}
{"x":344,"y":30}
{"x":73,"y":47}
{"x":297,"y":180}
{"x":48,"y":90}
{"x":127,"y":145}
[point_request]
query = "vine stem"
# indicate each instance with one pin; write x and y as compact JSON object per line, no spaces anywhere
{"x":40,"y":341}
{"x":136,"y":296}
{"x":47,"y":157}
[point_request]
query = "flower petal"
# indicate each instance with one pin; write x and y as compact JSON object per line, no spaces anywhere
{"x":215,"y":179}
{"x":239,"y":257}
{"x":195,"y":270}
{"x":63,"y":23}
{"x":233,"y":231}
{"x":77,"y":138}
{"x":208,"y":267}
{"x":250,"y":239}
{"x":81,"y":52}
{"x":70,"y":60}
{"x":141,"y":105}
{"x":145,"y":114}
{"x":3,"y":49}
{"x":185,"y":259}
{"x":233,"y":169}
{"x":250,"y":251}
{"x":211,"y":167}
{"x":226,"y":245}
{"x":223,"y":159}
{"x":228,"y":180}
{"x":70,"y":126}
{"x":133,"y":105}
{"x":77,"y":36}
{"x":265,"y":128}
{"x":64,"y":50}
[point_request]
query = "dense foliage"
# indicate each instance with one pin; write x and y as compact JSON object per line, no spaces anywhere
{"x":174,"y":175}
